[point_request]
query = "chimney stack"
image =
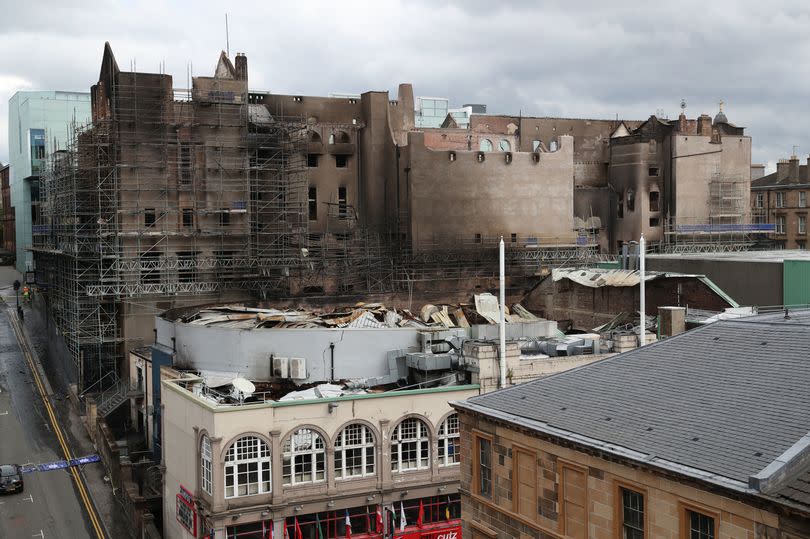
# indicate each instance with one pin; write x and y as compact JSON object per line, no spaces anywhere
{"x":241,"y":66}
{"x":704,"y":126}
{"x":782,"y":170}
{"x":793,"y":169}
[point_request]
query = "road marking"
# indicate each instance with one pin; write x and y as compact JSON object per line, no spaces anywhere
{"x":26,"y":351}
{"x":30,"y":498}
{"x":40,"y":534}
{"x":4,"y":413}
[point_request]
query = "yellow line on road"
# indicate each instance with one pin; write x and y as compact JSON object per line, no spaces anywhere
{"x":88,"y":504}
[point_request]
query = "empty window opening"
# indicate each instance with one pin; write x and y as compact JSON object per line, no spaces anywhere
{"x":225,"y":217}
{"x":535,"y":145}
{"x":478,"y":238}
{"x":149,"y":217}
{"x":513,"y":238}
{"x":312,"y":201}
{"x":620,"y":210}
{"x":342,"y":206}
{"x":504,"y":145}
{"x":150,"y":267}
{"x":654,"y":196}
{"x":485,"y":145}
{"x":631,"y":199}
{"x":553,"y":146}
{"x":341,"y":161}
{"x":314,"y":137}
{"x":184,"y":168}
{"x":186,"y":266}
{"x":188,"y":217}
{"x":508,"y":157}
{"x":655,"y":221}
{"x":653,"y":171}
{"x":452,"y":156}
{"x":312,"y":160}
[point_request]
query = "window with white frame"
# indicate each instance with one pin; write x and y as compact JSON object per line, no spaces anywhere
{"x":206,"y":465}
{"x":780,"y":199}
{"x":760,"y":200}
{"x":247,"y":467}
{"x":304,"y":458}
{"x":802,"y":224}
{"x":410,"y":446}
{"x":802,"y":199}
{"x":354,"y":452}
{"x":449,"y":448}
{"x":780,"y":224}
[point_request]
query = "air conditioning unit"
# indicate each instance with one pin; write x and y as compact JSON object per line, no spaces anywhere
{"x":298,"y":368}
{"x":281,"y":367}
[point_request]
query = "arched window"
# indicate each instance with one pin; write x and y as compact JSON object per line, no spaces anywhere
{"x":504,"y":145}
{"x":304,"y":458}
{"x":342,"y":137}
{"x":206,"y":465}
{"x":314,"y":137}
{"x":354,"y":452}
{"x":485,"y":145}
{"x":410,"y":446}
{"x":449,"y":448}
{"x":247,"y":467}
{"x":332,"y":138}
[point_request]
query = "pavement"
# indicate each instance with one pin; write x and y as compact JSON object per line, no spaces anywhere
{"x":51,"y":505}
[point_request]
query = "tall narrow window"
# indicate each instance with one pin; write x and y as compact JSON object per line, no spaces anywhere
{"x":188,"y":217}
{"x":632,"y":514}
{"x":184,"y":166}
{"x":524,"y":477}
{"x":484,"y":469}
{"x":186,"y":266}
{"x":224,"y":217}
{"x":802,"y":199}
{"x":354,"y":452}
{"x":504,"y":145}
{"x":206,"y":465}
{"x":574,"y":502}
{"x":312,"y":202}
{"x":341,"y":161}
{"x":760,"y":200}
{"x":342,"y":204}
{"x":312,"y":160}
{"x":780,"y":224}
{"x":700,"y":526}
{"x":410,"y":446}
{"x":449,"y":441}
{"x":247,"y":467}
{"x":304,"y":458}
{"x":802,"y":224}
{"x":780,"y":199}
{"x":149,"y":217}
{"x":654,"y":201}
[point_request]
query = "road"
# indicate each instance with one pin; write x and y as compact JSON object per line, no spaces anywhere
{"x":50,"y":506}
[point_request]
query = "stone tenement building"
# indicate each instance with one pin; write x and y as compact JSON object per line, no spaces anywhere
{"x":780,"y":199}
{"x":668,"y":440}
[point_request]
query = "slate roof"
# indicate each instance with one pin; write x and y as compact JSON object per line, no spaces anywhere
{"x":727,"y":398}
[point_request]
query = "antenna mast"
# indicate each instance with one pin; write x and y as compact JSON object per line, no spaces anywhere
{"x":227,"y":38}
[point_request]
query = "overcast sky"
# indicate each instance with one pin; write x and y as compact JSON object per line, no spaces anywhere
{"x":583,"y":58}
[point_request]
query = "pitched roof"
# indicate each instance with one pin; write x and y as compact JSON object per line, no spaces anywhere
{"x":724,"y":400}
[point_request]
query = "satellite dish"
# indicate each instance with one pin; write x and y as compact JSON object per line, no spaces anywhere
{"x":243,"y":388}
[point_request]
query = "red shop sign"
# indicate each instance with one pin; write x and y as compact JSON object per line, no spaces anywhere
{"x":447,"y":532}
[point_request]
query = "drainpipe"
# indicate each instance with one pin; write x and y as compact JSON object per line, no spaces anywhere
{"x":502,"y":321}
{"x":332,"y":361}
{"x":642,"y":251}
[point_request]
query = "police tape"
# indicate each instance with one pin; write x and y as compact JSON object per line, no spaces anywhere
{"x":59,"y":464}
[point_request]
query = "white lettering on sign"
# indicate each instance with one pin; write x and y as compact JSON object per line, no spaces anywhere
{"x":448,"y":535}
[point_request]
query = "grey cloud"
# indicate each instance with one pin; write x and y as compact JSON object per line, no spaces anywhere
{"x":587,"y":58}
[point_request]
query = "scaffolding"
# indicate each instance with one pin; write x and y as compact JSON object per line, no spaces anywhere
{"x":175,"y":194}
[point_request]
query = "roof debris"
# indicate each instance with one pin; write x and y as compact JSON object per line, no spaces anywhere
{"x":362,"y":315}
